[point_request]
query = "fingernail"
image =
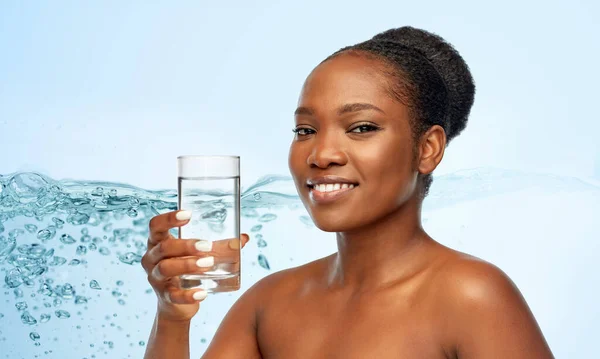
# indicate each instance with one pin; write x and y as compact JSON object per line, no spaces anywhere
{"x":183,"y":215}
{"x":200,"y":295}
{"x":204,"y":246}
{"x":205,"y":262}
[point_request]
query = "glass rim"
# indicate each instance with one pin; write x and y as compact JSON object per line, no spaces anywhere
{"x":206,"y":156}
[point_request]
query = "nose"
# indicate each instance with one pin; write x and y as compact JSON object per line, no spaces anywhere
{"x":326,"y":151}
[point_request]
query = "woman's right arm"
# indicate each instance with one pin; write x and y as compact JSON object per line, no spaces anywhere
{"x":164,"y":261}
{"x":168,"y":339}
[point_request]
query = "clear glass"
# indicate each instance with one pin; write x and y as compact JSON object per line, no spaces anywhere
{"x":209,"y":187}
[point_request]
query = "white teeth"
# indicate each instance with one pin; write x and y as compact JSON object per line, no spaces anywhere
{"x":329,"y":187}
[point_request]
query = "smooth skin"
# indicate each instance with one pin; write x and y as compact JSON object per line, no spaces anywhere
{"x":390,"y":291}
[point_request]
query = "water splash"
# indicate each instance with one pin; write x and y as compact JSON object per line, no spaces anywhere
{"x":50,"y":230}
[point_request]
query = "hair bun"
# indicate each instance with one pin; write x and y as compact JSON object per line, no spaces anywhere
{"x":449,"y":65}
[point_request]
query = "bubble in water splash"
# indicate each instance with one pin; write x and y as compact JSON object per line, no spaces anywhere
{"x":130,"y":258}
{"x":34,"y":336}
{"x":261,"y":243}
{"x":262,"y":260}
{"x":31,"y":228}
{"x":78,"y":218}
{"x":62,"y":314}
{"x":58,"y":261}
{"x":45,"y":318}
{"x":58,"y":222}
{"x":67,"y":239}
{"x":256,"y":228}
{"x":47,"y":233}
{"x":14,"y":279}
{"x":21,"y":306}
{"x":66,"y":291}
{"x":26,"y":318}
{"x":7,"y":245}
{"x":94,"y":284}
{"x":142,"y":343}
{"x":80,"y":299}
{"x":24,"y":187}
{"x":104,"y":251}
{"x":81,"y":250}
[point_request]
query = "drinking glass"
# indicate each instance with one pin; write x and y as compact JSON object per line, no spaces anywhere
{"x":209,"y":187}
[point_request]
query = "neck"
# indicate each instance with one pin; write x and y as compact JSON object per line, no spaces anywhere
{"x":380,"y":254}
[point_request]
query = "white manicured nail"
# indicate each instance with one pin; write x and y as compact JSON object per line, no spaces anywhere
{"x":200,"y":295}
{"x":183,"y":215}
{"x":204,"y":246}
{"x":205,"y":262}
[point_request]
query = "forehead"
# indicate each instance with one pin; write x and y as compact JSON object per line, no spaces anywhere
{"x":347,"y":79}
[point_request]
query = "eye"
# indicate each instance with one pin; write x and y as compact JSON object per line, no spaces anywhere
{"x":365,"y":128}
{"x":301,"y":131}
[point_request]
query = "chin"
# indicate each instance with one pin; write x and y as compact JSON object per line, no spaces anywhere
{"x":329,"y":223}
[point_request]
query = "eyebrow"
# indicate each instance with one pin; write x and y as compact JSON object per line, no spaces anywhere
{"x":347,"y":108}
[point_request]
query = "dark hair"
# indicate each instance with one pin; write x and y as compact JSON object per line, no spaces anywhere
{"x":428,"y":75}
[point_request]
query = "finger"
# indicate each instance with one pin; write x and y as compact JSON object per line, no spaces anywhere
{"x":160,"y":225}
{"x":182,"y":296}
{"x":171,"y":267}
{"x":172,"y":247}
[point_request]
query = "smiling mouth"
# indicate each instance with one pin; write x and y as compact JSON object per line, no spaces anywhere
{"x":330,"y":192}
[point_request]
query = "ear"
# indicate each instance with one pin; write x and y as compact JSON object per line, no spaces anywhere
{"x":431,"y":149}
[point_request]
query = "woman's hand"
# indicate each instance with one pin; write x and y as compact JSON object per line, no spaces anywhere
{"x":167,"y":258}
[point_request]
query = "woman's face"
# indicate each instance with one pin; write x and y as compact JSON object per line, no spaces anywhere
{"x":349,"y":126}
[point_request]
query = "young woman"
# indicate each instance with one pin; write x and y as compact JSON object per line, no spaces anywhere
{"x":372,"y":124}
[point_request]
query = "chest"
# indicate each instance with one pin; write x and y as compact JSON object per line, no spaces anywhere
{"x":374,"y":329}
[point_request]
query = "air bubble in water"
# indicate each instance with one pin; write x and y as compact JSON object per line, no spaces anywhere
{"x":130,"y":258}
{"x":7,"y":245}
{"x":62,"y":314}
{"x":80,"y":299}
{"x":94,"y":284}
{"x":45,"y":318}
{"x":26,"y":318}
{"x":67,"y":239}
{"x":18,"y":293}
{"x":262,"y":260}
{"x":34,"y":336}
{"x":21,"y":306}
{"x":81,"y":250}
{"x":261,"y":243}
{"x":47,"y":233}
{"x":78,"y":218}
{"x":256,"y":228}
{"x":31,"y":228}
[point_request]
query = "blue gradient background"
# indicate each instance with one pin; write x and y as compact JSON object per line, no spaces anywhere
{"x":116,"y":90}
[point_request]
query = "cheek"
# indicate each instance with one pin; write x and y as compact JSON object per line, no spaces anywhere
{"x":387,"y":169}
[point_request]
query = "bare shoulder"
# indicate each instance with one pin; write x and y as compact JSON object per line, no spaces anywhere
{"x":486,"y":313}
{"x":472,"y":280}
